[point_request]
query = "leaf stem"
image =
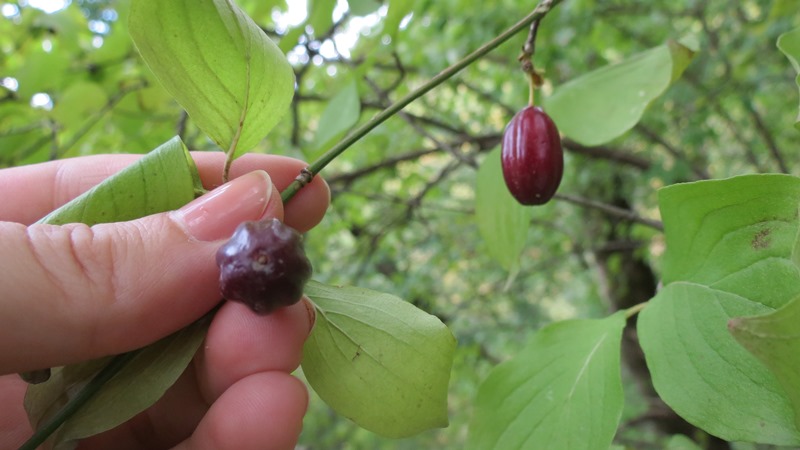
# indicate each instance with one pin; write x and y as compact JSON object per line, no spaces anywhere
{"x":540,"y":11}
{"x":635,"y":309}
{"x":84,"y":395}
{"x":231,"y":152}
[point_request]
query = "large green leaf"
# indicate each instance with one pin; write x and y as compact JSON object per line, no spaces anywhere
{"x":775,"y":340}
{"x":163,"y":180}
{"x":789,"y":44}
{"x":605,"y":103}
{"x":139,"y":384}
{"x":218,"y":64}
{"x":729,"y":254}
{"x":502,"y":222}
{"x":703,"y":374}
{"x":562,"y":391}
{"x":378,"y":360}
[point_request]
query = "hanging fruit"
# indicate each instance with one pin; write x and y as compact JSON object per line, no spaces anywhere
{"x":533,"y":161}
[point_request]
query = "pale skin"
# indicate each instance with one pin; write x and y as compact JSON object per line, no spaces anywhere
{"x":73,"y":293}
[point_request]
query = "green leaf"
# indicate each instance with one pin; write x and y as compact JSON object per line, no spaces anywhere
{"x":321,"y":15}
{"x":562,"y":391}
{"x":789,"y":44}
{"x":341,"y":113}
{"x":79,"y":101}
{"x":729,"y":254}
{"x":502,"y":222}
{"x":775,"y":340}
{"x":681,"y":442}
{"x":735,"y":235}
{"x":229,"y":76}
{"x":163,"y":180}
{"x":398,"y":9}
{"x":42,"y":71}
{"x":703,"y":374}
{"x":605,"y":103}
{"x":378,"y":360}
{"x":363,"y":7}
{"x":138,"y":385}
{"x":291,"y":38}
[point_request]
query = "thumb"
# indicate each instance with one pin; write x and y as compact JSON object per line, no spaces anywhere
{"x":75,"y":292}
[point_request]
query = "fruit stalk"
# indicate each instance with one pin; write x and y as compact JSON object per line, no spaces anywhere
{"x":539,"y":12}
{"x":526,"y":62}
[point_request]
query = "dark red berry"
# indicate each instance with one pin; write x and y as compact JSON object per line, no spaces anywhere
{"x":264,"y":266}
{"x":533,"y":161}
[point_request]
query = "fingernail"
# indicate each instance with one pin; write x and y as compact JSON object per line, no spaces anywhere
{"x":311,"y":311}
{"x":216,"y":214}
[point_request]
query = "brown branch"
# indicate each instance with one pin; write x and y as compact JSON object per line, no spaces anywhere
{"x":601,"y":152}
{"x":180,"y":128}
{"x":386,"y":163}
{"x":766,"y":135}
{"x":98,"y":116}
{"x":596,"y":152}
{"x":654,"y":137}
{"x":611,"y":210}
{"x":488,"y":97}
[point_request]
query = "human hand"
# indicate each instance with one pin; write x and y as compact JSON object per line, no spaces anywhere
{"x":72,"y":293}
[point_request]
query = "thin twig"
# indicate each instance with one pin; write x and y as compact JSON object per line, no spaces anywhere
{"x":766,"y":135}
{"x":110,"y":104}
{"x":612,"y":210}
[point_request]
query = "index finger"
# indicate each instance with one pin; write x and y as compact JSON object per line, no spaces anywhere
{"x":30,"y":192}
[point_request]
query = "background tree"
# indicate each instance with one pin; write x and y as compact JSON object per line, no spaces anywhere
{"x":402,"y":218}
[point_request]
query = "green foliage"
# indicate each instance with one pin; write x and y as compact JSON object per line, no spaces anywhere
{"x":405,"y":215}
{"x":562,"y":390}
{"x":378,"y":360}
{"x":603,"y":104}
{"x":774,"y":339}
{"x":137,"y":386}
{"x":341,"y":113}
{"x":681,"y":442}
{"x":502,"y":221}
{"x":789,"y":44}
{"x":729,"y":248}
{"x":218,"y":64}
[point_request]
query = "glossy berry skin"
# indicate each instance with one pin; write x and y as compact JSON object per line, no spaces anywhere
{"x":533,"y":161}
{"x":264,"y":266}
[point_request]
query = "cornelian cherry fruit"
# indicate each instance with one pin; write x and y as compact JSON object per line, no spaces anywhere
{"x":532,"y":157}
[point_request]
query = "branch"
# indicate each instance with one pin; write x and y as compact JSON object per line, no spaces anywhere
{"x":91,"y":122}
{"x":598,"y":152}
{"x":677,"y":154}
{"x":612,"y":210}
{"x":766,"y":135}
{"x":601,"y":152}
{"x":349,"y":177}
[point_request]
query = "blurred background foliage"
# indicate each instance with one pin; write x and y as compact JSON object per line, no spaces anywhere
{"x":402,"y":215}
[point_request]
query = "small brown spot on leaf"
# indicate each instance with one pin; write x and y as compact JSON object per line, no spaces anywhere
{"x":762,"y":239}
